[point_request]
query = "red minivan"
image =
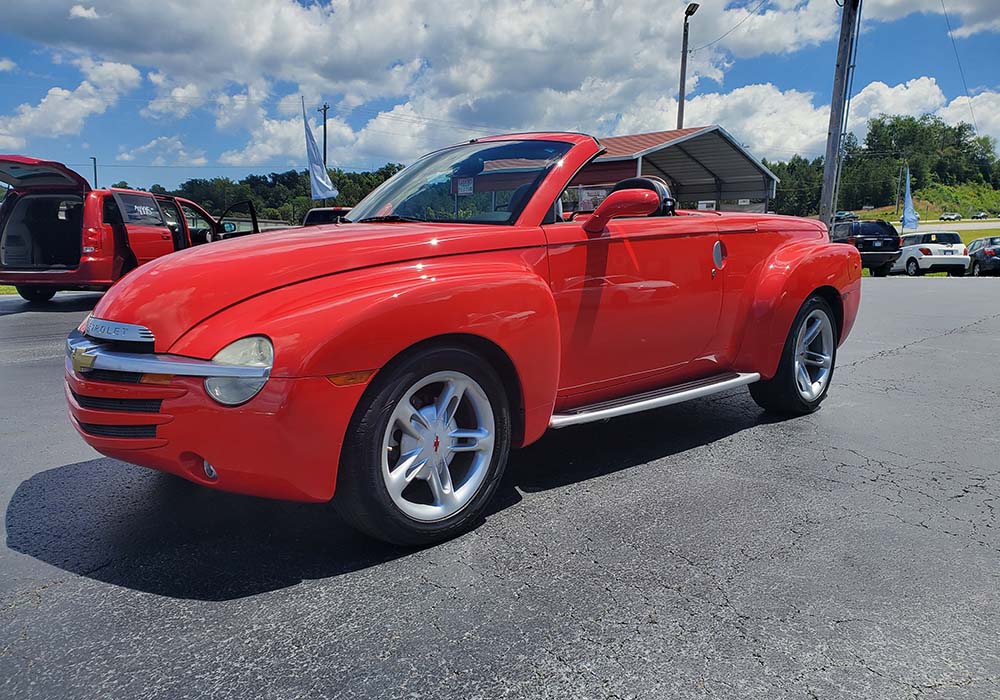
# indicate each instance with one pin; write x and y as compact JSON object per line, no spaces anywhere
{"x":56,"y":233}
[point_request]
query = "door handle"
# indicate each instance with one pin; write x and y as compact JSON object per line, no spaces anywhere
{"x":165,"y":236}
{"x":719,"y":254}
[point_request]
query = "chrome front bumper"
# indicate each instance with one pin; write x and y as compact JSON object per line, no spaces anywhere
{"x":85,"y":354}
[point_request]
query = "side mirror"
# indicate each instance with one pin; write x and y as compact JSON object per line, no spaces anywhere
{"x":229,"y":227}
{"x":622,"y":203}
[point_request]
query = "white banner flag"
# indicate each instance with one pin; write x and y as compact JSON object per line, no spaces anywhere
{"x":319,"y":179}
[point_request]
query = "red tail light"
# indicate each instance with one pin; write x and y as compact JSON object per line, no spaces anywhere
{"x":989,"y":252}
{"x":851,"y":240}
{"x":965,"y":251}
{"x":900,"y":241}
{"x":91,"y":240}
{"x":925,"y":251}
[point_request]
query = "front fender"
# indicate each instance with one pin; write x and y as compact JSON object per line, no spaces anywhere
{"x":791,"y":275}
{"x":362,"y":319}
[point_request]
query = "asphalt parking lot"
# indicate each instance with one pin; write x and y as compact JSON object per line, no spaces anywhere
{"x":702,"y":550}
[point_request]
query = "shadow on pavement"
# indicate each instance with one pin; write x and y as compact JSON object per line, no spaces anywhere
{"x":159,"y":534}
{"x":60,"y":303}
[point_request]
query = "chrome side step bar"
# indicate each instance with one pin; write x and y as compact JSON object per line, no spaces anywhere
{"x":653,"y":399}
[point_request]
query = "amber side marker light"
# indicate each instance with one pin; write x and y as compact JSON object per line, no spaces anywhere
{"x":350,"y":378}
{"x":156,"y":378}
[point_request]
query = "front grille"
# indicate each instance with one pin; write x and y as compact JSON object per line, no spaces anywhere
{"x":119,"y":431}
{"x":123,"y":345}
{"x":99,"y":403}
{"x":106,"y":375}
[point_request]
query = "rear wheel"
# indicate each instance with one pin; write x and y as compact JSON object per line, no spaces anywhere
{"x":881,"y":270}
{"x":426,"y":448}
{"x":806,"y":366}
{"x":35,"y":294}
{"x":913,"y":268}
{"x":977,"y":271}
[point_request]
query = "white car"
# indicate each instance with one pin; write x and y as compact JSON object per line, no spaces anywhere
{"x":940,"y":251}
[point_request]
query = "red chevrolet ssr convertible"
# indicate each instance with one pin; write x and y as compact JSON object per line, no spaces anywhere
{"x":474,"y":301}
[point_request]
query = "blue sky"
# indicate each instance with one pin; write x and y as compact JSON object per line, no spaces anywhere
{"x":161,"y":92}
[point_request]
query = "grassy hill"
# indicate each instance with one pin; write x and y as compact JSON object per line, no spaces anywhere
{"x":931,"y":201}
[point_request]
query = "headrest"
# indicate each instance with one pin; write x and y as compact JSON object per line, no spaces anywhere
{"x":667,"y":203}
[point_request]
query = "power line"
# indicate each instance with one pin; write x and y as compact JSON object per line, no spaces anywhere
{"x":961,"y":70}
{"x":732,"y":29}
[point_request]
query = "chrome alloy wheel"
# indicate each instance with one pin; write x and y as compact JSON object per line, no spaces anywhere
{"x":814,"y":348}
{"x":438,"y":446}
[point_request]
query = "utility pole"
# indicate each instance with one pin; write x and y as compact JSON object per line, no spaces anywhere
{"x":324,"y":110}
{"x":94,"y":158}
{"x":691,"y":9}
{"x":838,"y":101}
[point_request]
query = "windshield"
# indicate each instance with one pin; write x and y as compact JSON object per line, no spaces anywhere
{"x":488,"y":182}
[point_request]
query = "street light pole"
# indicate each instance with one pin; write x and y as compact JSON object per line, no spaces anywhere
{"x":691,"y":9}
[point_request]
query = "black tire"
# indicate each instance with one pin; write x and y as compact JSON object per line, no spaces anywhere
{"x":881,"y":270}
{"x":362,"y":497}
{"x":977,"y":271}
{"x":780,"y":394}
{"x":913,"y":268}
{"x":36,"y":295}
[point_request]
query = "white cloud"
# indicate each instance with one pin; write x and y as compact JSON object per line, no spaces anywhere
{"x":913,"y":98}
{"x":241,"y":111}
{"x":277,"y":139}
{"x":987,"y":109}
{"x":63,"y":112}
{"x":968,"y":17}
{"x":173,"y":101}
{"x":7,"y":65}
{"x":165,"y":150}
{"x":81,"y":12}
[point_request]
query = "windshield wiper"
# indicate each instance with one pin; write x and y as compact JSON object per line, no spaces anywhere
{"x":390,"y":218}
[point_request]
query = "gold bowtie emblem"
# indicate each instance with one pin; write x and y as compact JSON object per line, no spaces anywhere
{"x":81,"y":360}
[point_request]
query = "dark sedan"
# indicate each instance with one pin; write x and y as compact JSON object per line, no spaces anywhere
{"x":984,"y":256}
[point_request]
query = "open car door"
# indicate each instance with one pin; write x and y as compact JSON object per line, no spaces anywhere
{"x":231,"y":226}
{"x":149,"y":236}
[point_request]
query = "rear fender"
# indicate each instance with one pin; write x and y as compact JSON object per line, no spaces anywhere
{"x":791,"y":275}
{"x":360,"y":320}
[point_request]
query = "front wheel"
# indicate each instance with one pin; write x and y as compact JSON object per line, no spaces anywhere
{"x":806,"y":366}
{"x":35,"y":295}
{"x":913,"y":268}
{"x":425,"y":449}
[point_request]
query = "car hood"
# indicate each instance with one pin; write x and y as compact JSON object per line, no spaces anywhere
{"x":174,"y":293}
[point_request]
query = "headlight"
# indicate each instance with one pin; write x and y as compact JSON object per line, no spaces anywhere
{"x":255,"y":351}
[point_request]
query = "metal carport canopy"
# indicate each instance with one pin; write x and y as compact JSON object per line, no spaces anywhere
{"x":698,"y":163}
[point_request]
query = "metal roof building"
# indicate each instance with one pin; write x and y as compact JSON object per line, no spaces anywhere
{"x":703,"y":163}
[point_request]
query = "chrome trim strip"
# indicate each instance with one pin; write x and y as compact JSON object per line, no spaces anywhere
{"x":113,"y":330}
{"x":563,"y":420}
{"x":83,"y":352}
